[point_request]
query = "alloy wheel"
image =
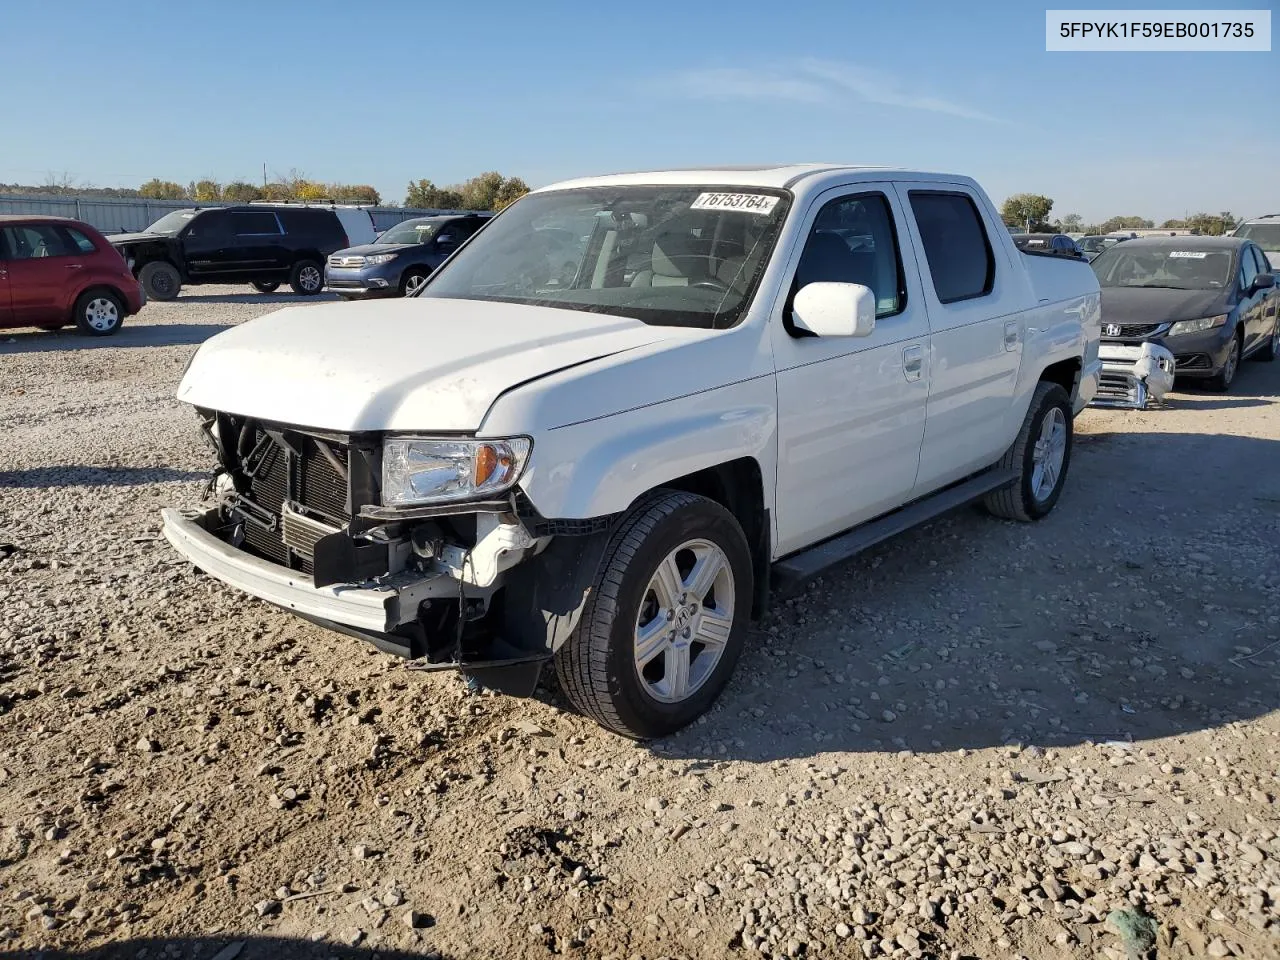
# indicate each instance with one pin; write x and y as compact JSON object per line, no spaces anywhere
{"x":684,"y":621}
{"x":1048,"y":454}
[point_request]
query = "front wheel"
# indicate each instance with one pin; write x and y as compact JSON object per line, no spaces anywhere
{"x":265,"y":287}
{"x":160,"y":280}
{"x":666,"y":619}
{"x":99,"y":313}
{"x":307,"y":278}
{"x":1221,"y":382}
{"x":1039,"y":457}
{"x":414,"y":281}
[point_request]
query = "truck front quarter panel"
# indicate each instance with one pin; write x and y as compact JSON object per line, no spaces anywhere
{"x":600,"y":467}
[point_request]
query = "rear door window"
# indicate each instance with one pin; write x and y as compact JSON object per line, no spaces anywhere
{"x":254,"y":223}
{"x":956,"y":246}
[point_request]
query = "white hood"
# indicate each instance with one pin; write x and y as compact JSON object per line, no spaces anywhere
{"x":418,"y":364}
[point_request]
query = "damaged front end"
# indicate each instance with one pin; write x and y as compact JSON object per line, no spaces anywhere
{"x":1133,"y":375}
{"x":297,"y":519}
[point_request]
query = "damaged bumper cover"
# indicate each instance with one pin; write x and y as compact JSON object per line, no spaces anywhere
{"x":378,"y":606}
{"x":1133,"y":375}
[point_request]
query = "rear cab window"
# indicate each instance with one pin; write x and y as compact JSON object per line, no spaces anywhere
{"x":956,"y":246}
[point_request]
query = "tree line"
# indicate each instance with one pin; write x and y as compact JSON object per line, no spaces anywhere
{"x":486,"y":191}
{"x":1030,"y":211}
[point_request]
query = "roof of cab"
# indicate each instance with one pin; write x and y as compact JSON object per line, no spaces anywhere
{"x":776,"y":177}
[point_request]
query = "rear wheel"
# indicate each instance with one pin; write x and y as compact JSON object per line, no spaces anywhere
{"x":1221,"y":382}
{"x":99,"y":313}
{"x":266,"y":287}
{"x":1040,"y":457}
{"x":160,"y":280}
{"x":666,"y":619}
{"x":307,"y":278}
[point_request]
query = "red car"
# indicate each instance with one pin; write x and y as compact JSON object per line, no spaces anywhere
{"x":55,"y":271}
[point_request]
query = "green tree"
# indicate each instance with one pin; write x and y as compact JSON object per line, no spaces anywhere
{"x":480,"y":192}
{"x":425,"y":195}
{"x":512,"y":189}
{"x":1174,"y":225}
{"x":1030,"y":210}
{"x":1212,"y":224}
{"x":354,"y":193}
{"x":238,"y":191}
{"x":156,"y":189}
{"x":275,"y":190}
{"x":1126,"y":223}
{"x":1071,"y":223}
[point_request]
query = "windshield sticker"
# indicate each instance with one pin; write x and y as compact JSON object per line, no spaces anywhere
{"x":1188,"y":255}
{"x":743,"y":202}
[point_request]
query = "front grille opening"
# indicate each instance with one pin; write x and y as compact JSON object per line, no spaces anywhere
{"x":308,"y":478}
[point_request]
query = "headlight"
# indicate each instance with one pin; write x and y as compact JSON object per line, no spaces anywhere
{"x":379,"y":258}
{"x":446,"y":471}
{"x":1197,"y":326}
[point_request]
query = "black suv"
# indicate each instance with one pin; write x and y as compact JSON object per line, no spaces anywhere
{"x":261,"y":245}
{"x":398,"y":263}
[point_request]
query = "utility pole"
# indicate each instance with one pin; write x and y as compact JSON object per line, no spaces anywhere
{"x":264,"y":174}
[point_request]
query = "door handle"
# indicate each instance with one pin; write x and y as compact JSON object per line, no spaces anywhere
{"x":912,"y":362}
{"x":75,"y":266}
{"x":1011,"y":334}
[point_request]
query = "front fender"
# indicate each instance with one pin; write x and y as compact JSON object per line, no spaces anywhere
{"x":600,"y":467}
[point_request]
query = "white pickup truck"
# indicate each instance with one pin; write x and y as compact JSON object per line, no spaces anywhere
{"x":628,"y":407}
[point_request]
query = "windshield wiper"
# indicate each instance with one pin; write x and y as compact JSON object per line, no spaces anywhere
{"x":1159,"y":286}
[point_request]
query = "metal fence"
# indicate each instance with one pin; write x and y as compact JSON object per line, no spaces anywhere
{"x":129,"y":215}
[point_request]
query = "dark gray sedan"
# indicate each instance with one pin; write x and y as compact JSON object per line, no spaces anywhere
{"x":1210,"y":301}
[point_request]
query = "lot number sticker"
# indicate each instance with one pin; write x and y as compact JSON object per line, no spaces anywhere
{"x":744,"y":202}
{"x":1188,"y":255}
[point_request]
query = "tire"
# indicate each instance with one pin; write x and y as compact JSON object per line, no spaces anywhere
{"x":1272,"y":348}
{"x":599,"y":666}
{"x":160,"y":279}
{"x":1028,"y":498}
{"x":98,"y":313}
{"x":306,"y":278}
{"x":413,"y":280}
{"x":1221,"y":381}
{"x":261,"y":287}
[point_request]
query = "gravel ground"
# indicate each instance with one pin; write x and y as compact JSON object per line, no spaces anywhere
{"x":983,"y":739}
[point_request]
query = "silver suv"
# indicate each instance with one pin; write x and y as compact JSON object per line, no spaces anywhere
{"x":1265,"y":232}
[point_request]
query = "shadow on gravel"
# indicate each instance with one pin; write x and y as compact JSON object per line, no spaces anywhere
{"x":75,"y":475}
{"x":130,"y":335}
{"x":1193,"y":402}
{"x":222,"y":948}
{"x":282,"y":298}
{"x":1142,"y":607}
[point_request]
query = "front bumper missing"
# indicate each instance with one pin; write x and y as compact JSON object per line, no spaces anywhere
{"x":377,"y":606}
{"x":383,"y":612}
{"x":1133,"y":376}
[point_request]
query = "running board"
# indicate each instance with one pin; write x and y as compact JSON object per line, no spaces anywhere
{"x":794,"y":570}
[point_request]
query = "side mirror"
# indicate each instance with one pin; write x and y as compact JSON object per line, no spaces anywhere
{"x":1264,"y":281}
{"x":835,"y":309}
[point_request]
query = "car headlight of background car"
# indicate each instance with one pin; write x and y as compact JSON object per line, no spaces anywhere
{"x":1197,"y":326}
{"x":369,"y":261}
{"x":417,"y":471}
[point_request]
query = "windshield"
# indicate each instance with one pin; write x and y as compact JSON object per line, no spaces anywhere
{"x":666,"y":255}
{"x":1265,"y":235}
{"x":171,"y":223}
{"x":411,"y":231}
{"x":1130,"y":265}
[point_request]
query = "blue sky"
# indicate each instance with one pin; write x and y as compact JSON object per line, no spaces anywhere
{"x":116,"y":93}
